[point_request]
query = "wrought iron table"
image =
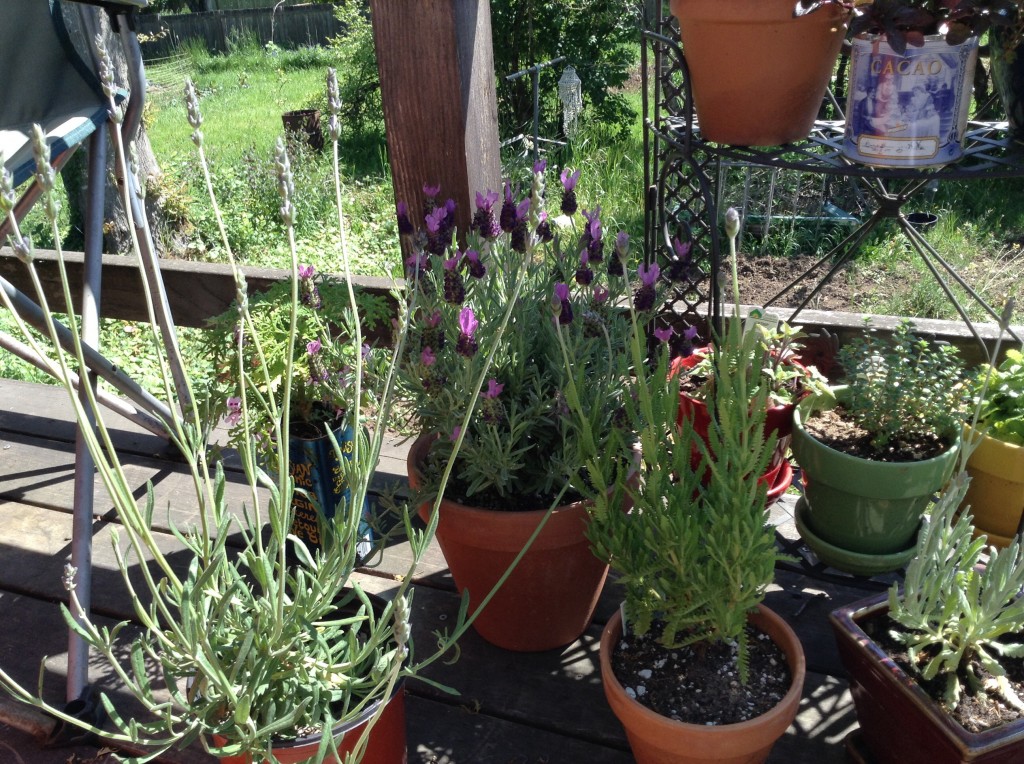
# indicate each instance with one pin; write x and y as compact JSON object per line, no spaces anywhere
{"x":683,"y":199}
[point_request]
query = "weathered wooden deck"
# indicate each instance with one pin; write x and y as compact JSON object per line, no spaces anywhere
{"x":512,"y":707}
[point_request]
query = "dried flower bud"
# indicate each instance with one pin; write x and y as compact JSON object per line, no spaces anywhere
{"x":195,"y":117}
{"x":333,"y":104}
{"x":45,"y":174}
{"x":106,"y":68}
{"x":285,"y":183}
{"x":7,"y":195}
{"x":732,"y":222}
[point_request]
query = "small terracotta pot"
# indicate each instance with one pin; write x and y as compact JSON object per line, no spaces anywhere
{"x":549,"y":598}
{"x":658,"y":740}
{"x":758,"y":73}
{"x":387,"y":743}
{"x":899,"y":722}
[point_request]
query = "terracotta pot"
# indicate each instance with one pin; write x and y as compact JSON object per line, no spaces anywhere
{"x":758,"y":74}
{"x":658,"y":740}
{"x":996,"y":492}
{"x":550,"y":597}
{"x":899,"y":722}
{"x":862,"y":505}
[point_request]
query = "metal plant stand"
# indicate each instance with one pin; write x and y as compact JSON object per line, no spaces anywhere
{"x":681,"y":173}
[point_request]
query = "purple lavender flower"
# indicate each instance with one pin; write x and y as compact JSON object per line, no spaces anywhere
{"x":468,"y":324}
{"x":494,"y":388}
{"x":617,"y":263}
{"x":456,"y":432}
{"x":430,"y":191}
{"x":234,"y":411}
{"x":563,"y":308}
{"x":689,"y":335}
{"x":540,"y":167}
{"x":491,"y":409}
{"x":544,"y":232}
{"x":569,"y":179}
{"x":447,"y":228}
{"x":584,"y":274}
{"x":317,"y":371}
{"x":435,"y":220}
{"x":664,"y":334}
{"x":508,"y":210}
{"x":432,"y":335}
{"x":415,"y":264}
{"x":519,"y":230}
{"x":405,"y":227}
{"x":427,"y":357}
{"x":309,"y":293}
{"x":476,"y":268}
{"x":600,"y":294}
{"x":592,"y":235}
{"x":646,"y":294}
{"x":484,"y":222}
{"x":454,"y":288}
{"x":680,"y":265}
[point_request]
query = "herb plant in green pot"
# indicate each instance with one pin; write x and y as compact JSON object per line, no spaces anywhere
{"x":996,"y":462}
{"x":257,"y":657}
{"x":873,"y":454}
{"x":694,"y":558}
{"x":509,"y":496}
{"x":935,"y":665}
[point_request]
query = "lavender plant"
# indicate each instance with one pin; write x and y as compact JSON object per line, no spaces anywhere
{"x":954,"y":615}
{"x":902,"y":386}
{"x":696,"y":552}
{"x":246,"y":646}
{"x":545,"y":276}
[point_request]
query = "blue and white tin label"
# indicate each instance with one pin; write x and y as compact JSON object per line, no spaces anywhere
{"x":908,"y":110}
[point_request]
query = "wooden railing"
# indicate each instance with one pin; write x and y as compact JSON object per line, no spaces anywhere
{"x":196,"y":291}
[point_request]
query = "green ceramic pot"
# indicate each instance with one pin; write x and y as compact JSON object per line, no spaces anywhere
{"x":861,"y":505}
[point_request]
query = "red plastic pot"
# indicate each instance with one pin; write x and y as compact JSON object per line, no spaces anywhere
{"x":549,"y":598}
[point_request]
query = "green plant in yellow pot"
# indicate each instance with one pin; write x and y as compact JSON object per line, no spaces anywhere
{"x":996,"y":465}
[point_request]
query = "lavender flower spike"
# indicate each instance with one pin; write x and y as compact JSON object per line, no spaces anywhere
{"x":494,"y":388}
{"x":648,"y":274}
{"x":664,"y":334}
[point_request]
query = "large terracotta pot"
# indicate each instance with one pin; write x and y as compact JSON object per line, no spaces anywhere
{"x":758,"y":74}
{"x":549,"y":598}
{"x":899,"y":722}
{"x":860,"y":505}
{"x":658,"y":740}
{"x":996,"y":491}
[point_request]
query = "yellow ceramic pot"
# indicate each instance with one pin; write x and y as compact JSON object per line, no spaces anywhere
{"x":996,"y":492}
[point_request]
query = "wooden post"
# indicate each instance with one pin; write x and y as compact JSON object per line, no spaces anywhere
{"x":436,"y":66}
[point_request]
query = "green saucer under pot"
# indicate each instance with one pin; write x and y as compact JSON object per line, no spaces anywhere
{"x":862,"y":505}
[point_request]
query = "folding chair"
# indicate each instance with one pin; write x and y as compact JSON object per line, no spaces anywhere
{"x":44,"y":80}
